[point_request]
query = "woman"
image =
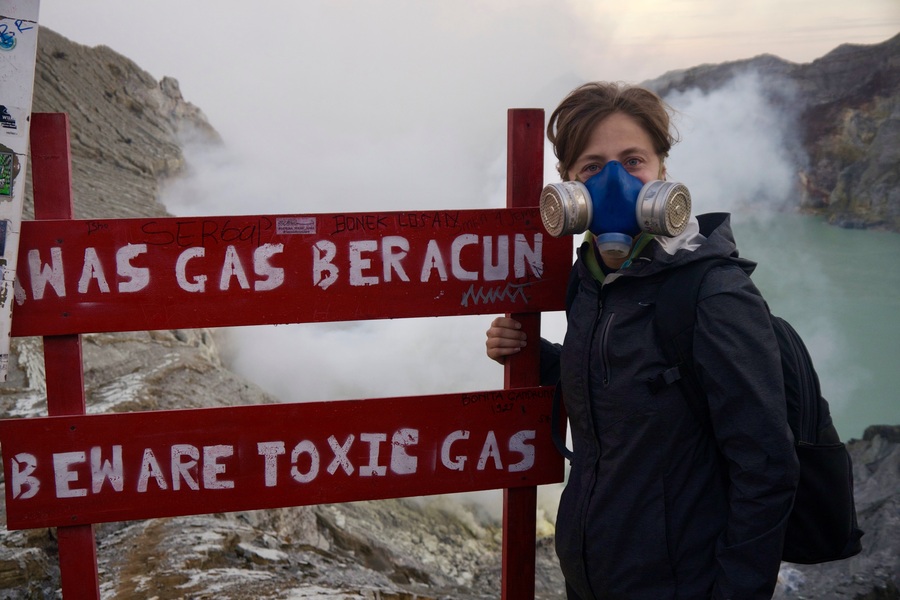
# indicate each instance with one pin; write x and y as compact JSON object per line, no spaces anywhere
{"x":656,"y":507}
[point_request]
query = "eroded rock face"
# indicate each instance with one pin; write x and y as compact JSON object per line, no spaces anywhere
{"x":126,"y":128}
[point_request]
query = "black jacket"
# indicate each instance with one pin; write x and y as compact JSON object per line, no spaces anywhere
{"x":655,"y":508}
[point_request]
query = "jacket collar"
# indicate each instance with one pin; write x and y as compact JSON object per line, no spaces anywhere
{"x":707,"y":236}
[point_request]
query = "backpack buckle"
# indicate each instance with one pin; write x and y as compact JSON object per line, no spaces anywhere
{"x":664,"y":379}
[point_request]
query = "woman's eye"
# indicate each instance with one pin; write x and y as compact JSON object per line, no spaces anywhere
{"x":633,"y":162}
{"x":591,"y":169}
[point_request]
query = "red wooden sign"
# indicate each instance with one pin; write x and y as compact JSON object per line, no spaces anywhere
{"x":73,"y":277}
{"x":111,"y":467}
{"x":79,"y":276}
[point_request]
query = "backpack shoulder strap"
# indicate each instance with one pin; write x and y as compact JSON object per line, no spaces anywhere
{"x":557,"y":425}
{"x":557,"y":428}
{"x":674,"y":320}
{"x":571,"y":288}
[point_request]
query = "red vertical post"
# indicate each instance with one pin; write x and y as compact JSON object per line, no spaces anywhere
{"x":51,"y":169}
{"x":524,"y":178}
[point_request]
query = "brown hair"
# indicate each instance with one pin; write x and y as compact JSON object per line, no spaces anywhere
{"x":572,"y":122}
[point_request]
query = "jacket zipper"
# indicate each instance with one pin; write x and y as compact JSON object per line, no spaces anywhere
{"x":604,"y":348}
{"x":586,"y":368}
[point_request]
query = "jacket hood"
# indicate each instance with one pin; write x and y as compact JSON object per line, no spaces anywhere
{"x":706,"y":236}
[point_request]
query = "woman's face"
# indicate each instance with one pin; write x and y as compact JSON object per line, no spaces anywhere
{"x":618,"y":137}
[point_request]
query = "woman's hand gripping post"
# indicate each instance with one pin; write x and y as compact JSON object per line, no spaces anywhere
{"x":504,"y":338}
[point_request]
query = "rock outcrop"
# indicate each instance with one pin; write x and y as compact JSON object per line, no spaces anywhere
{"x":847,"y":108}
{"x":875,"y":573}
{"x":127,"y":131}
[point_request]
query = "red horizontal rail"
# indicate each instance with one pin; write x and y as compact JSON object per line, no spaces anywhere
{"x":79,"y":276}
{"x":72,"y":470}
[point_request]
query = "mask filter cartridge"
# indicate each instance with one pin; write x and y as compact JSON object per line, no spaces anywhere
{"x":615,"y":206}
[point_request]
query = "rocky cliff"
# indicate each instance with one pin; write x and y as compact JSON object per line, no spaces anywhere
{"x":847,"y":109}
{"x":126,"y":128}
{"x":127,"y":132}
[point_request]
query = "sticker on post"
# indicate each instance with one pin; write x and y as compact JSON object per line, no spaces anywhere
{"x":9,"y":164}
{"x":295,"y":225}
{"x":11,"y":119}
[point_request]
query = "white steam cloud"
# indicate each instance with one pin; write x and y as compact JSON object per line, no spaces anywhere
{"x":739,"y":155}
{"x":734,"y":151}
{"x":413,"y":116}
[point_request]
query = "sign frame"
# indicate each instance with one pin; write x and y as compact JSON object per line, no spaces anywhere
{"x":527,"y":411}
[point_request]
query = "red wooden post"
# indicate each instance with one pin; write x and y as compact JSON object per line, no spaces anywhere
{"x":51,"y":168}
{"x":524,"y":177}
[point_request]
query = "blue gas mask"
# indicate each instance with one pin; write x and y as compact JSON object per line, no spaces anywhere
{"x":615,"y":206}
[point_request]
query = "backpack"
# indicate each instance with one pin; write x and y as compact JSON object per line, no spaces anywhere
{"x":822,"y":525}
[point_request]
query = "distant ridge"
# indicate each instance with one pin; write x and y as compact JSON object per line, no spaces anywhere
{"x":847,"y":105}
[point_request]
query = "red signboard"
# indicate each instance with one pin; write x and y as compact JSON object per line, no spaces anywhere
{"x":79,"y":276}
{"x":111,"y":467}
{"x":71,"y":470}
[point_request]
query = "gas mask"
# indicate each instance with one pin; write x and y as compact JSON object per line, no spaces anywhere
{"x":615,"y":206}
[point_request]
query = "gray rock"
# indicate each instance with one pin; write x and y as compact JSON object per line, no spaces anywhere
{"x":875,"y":573}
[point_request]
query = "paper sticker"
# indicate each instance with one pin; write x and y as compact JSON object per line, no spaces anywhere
{"x":7,"y":172}
{"x":12,"y":120}
{"x":295,"y":225}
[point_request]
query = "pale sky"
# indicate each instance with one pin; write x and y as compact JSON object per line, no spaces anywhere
{"x":413,"y":84}
{"x":635,"y":40}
